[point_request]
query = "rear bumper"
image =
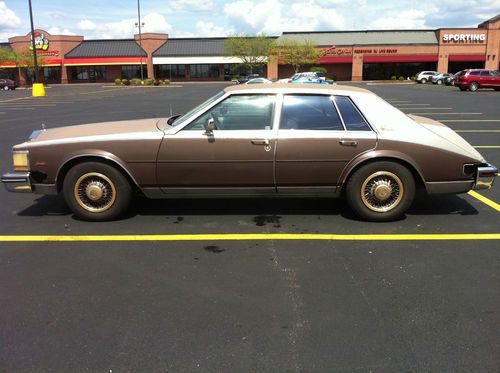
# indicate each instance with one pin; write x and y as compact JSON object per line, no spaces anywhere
{"x":485,"y":177}
{"x":17,"y":182}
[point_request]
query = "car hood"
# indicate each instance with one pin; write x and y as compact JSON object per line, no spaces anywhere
{"x":121,"y":130}
{"x":447,"y":134}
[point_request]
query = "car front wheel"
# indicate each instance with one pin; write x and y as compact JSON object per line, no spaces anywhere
{"x":380,"y":191}
{"x":423,"y":81}
{"x":473,"y":86}
{"x":5,"y":88}
{"x":96,"y":191}
{"x":439,"y":82}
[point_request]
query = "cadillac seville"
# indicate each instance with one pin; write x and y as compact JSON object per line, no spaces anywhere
{"x":268,"y":140}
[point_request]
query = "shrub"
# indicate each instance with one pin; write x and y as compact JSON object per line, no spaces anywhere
{"x":393,"y":77}
{"x":118,"y":82}
{"x":149,"y":82}
{"x":125,"y":82}
{"x":157,"y":82}
{"x":318,"y":69}
{"x":401,"y":78}
{"x":413,"y":78}
{"x":166,"y":81}
{"x":135,"y":81}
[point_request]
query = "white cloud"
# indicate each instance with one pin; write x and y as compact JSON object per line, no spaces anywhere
{"x":54,"y":30}
{"x":191,"y":5}
{"x":8,"y":19}
{"x":273,"y":17}
{"x":408,"y":19}
{"x":209,"y":29}
{"x":153,"y":22}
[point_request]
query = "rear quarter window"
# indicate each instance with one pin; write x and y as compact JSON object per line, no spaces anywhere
{"x":353,"y":119}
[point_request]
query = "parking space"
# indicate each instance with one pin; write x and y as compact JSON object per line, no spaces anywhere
{"x":248,"y":285}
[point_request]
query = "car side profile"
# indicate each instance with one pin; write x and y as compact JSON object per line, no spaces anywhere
{"x":7,"y":84}
{"x":474,"y":79}
{"x":441,"y":78}
{"x":425,"y":76}
{"x":262,"y":140}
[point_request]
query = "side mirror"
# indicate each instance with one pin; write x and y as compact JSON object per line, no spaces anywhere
{"x":209,"y":127}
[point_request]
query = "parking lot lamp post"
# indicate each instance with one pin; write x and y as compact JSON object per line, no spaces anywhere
{"x":140,"y":25}
{"x":35,"y":61}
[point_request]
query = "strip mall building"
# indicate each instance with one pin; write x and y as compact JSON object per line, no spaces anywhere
{"x":349,"y":55}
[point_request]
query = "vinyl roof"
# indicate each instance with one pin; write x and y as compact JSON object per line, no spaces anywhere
{"x":107,"y":48}
{"x":363,"y":37}
{"x":191,"y":47}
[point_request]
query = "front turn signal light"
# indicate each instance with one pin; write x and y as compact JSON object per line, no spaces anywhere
{"x":21,"y":161}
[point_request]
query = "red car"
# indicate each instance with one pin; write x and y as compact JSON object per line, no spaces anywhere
{"x":474,"y":79}
{"x":7,"y":84}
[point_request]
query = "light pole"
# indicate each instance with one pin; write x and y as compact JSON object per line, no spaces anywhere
{"x":140,"y":25}
{"x":35,"y":61}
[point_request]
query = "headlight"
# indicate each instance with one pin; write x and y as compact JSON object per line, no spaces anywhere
{"x":20,"y":160}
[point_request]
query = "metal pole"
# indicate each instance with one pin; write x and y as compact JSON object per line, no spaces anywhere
{"x":33,"y":44}
{"x":140,"y":33}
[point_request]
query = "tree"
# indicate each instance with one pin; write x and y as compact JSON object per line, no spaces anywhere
{"x":7,"y":55}
{"x":254,"y":51}
{"x":298,"y":54}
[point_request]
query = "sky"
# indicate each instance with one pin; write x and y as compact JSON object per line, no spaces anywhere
{"x":105,"y":19}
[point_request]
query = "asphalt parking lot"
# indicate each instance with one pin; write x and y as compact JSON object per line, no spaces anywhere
{"x":248,"y":285}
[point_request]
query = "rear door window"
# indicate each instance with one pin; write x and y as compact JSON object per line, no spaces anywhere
{"x":310,"y":112}
{"x":475,"y":73}
{"x":353,"y":119}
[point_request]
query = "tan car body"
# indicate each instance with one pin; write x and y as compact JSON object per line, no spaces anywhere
{"x":167,"y":162}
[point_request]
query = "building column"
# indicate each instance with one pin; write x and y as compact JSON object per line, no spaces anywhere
{"x":357,"y":67}
{"x":64,"y":74}
{"x":272,"y":68}
{"x":150,"y":67}
{"x":442,"y":65}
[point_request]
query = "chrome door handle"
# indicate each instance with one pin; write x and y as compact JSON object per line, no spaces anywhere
{"x":260,"y":142}
{"x":348,"y":142}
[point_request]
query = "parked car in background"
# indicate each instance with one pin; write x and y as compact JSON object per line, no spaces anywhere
{"x":424,"y":76}
{"x":451,"y":80}
{"x":7,"y":84}
{"x":247,"y":78}
{"x":272,"y":140}
{"x":259,"y":81}
{"x":474,"y":79}
{"x":440,"y":78}
{"x":307,"y":74}
{"x":311,"y":80}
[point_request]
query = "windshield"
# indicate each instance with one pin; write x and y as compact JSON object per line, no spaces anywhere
{"x":195,"y":110}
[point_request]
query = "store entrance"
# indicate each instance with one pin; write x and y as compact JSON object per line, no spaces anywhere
{"x":387,"y":70}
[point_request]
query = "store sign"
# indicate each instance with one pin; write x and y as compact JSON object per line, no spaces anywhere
{"x":464,"y":38}
{"x":334,"y":51}
{"x":41,"y":42}
{"x":375,"y":51}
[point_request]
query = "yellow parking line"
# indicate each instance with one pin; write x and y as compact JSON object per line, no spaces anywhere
{"x":258,"y":236}
{"x":413,"y":105}
{"x":477,"y":130}
{"x":485,"y":200}
{"x":426,"y":108}
{"x":487,"y":146}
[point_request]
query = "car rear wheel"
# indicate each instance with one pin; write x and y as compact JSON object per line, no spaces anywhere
{"x":5,"y":88}
{"x":380,"y":191}
{"x":96,"y":191}
{"x":423,"y":80}
{"x":473,"y":86}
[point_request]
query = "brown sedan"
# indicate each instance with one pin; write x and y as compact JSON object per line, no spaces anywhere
{"x":270,"y":140}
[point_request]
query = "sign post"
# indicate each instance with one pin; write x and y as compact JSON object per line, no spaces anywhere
{"x":38,"y":89}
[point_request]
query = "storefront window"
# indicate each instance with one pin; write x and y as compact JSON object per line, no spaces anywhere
{"x":88,"y":73}
{"x":204,"y":71}
{"x":385,"y":70}
{"x":134,"y":71}
{"x":52,"y":74}
{"x":235,"y":71}
{"x":8,"y":74}
{"x":170,"y":71}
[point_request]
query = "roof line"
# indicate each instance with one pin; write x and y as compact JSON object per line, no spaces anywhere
{"x":355,"y":31}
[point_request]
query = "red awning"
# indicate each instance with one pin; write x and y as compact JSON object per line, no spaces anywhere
{"x":466,"y":57}
{"x":399,"y":58}
{"x":335,"y":59}
{"x":104,"y":61}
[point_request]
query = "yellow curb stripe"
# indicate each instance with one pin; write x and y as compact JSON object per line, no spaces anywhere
{"x":259,"y":236}
{"x":487,"y":146}
{"x":479,"y":131}
{"x":485,"y":200}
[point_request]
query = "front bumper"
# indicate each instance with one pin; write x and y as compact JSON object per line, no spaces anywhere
{"x":485,"y":177}
{"x":17,"y":182}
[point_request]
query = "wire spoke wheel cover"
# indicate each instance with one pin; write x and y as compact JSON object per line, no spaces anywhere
{"x":382,"y":191}
{"x":95,"y":192}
